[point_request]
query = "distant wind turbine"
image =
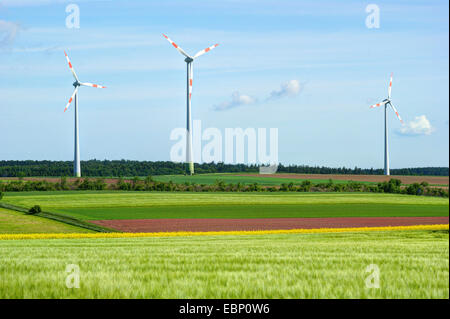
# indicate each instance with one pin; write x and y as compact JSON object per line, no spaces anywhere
{"x":190,"y":75}
{"x":77,"y":84}
{"x":387,"y":102}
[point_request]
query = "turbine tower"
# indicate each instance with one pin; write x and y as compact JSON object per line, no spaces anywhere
{"x":387,"y":102}
{"x":190,"y":75}
{"x":77,"y":84}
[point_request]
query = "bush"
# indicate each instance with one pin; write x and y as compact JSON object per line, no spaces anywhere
{"x":63,"y":183}
{"x":329,"y":184}
{"x":1,"y":195}
{"x":254,"y":187}
{"x":36,"y":209}
{"x":354,"y":186}
{"x":393,"y":186}
{"x":414,"y":189}
{"x":220,"y":185}
{"x":122,"y":185}
{"x":305,"y":186}
{"x":99,"y":184}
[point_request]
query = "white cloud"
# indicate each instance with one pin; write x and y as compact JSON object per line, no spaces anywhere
{"x":8,"y":32}
{"x":419,"y":126}
{"x":237,"y":99}
{"x":290,"y":88}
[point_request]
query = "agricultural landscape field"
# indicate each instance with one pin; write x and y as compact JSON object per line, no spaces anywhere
{"x":226,"y":154}
{"x":268,"y":180}
{"x":278,"y":179}
{"x":413,"y":263}
{"x":13,"y":222}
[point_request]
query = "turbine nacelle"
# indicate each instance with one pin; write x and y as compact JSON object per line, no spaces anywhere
{"x":76,"y":84}
{"x":188,"y":60}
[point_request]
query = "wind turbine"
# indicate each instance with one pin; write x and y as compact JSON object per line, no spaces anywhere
{"x":77,"y":84}
{"x":190,"y":75}
{"x":387,"y":102}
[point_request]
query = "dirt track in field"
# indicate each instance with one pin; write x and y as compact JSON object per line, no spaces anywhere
{"x":216,"y":224}
{"x":438,"y":180}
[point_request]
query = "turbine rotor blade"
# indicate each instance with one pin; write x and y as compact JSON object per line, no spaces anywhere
{"x":390,"y":86}
{"x":93,"y":85}
{"x":396,"y":112}
{"x":205,"y":50}
{"x":177,"y":47}
{"x":71,"y":67}
{"x":379,"y":104}
{"x":71,"y":98}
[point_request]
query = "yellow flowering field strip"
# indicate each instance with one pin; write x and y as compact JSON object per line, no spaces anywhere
{"x":220,"y":233}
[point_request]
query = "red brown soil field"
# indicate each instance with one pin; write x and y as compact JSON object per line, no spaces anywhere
{"x":437,"y":180}
{"x":216,"y":224}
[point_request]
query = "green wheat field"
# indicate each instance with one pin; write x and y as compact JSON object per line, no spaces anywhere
{"x":91,"y":205}
{"x":412,"y":264}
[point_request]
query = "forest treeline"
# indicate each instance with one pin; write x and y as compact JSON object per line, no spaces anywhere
{"x":118,"y":168}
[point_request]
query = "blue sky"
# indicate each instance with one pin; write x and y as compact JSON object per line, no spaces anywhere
{"x":340,"y":65}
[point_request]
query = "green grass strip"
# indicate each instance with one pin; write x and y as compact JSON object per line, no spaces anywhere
{"x":70,"y":220}
{"x":258,"y":211}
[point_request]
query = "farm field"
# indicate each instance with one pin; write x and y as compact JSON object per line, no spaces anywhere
{"x":433,"y":180}
{"x":278,"y":179}
{"x":413,"y":264}
{"x":270,"y":180}
{"x":265,"y":180}
{"x":256,"y":211}
{"x":89,"y":205}
{"x":207,"y":179}
{"x":163,"y":211}
{"x":100,"y":199}
{"x":12,"y":222}
{"x":266,"y":224}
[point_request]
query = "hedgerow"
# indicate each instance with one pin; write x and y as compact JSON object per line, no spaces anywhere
{"x":393,"y":186}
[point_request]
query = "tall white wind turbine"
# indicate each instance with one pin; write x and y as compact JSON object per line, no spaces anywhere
{"x":77,"y":84}
{"x":387,"y":102}
{"x":190,"y":75}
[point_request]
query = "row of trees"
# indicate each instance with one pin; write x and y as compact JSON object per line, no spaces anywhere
{"x":96,"y":168}
{"x":418,"y":171}
{"x":148,"y":184}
